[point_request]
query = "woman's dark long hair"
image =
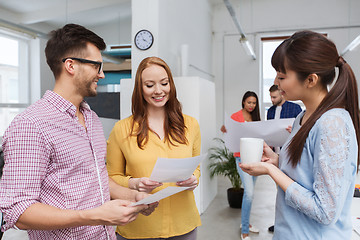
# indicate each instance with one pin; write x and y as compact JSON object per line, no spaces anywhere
{"x":255,"y":114}
{"x":306,"y":53}
{"x":174,"y":125}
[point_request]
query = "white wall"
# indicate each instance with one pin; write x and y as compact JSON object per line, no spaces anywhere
{"x":172,"y":24}
{"x":47,"y":77}
{"x":186,"y":22}
{"x":114,"y":33}
{"x":235,"y":72}
{"x":197,"y":97}
{"x":145,"y":15}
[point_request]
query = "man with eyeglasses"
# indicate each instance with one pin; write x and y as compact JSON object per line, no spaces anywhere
{"x":55,"y":182}
{"x":98,"y":64}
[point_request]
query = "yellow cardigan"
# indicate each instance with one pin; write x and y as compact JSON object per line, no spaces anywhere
{"x":175,"y":215}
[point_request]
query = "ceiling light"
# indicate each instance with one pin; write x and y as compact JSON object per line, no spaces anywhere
{"x":243,"y":40}
{"x":247,"y":46}
{"x":351,"y":46}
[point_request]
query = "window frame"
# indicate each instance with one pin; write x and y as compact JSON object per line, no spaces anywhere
{"x":266,"y":105}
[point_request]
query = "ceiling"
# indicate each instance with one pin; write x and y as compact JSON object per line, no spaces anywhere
{"x":43,"y":16}
{"x":56,"y":13}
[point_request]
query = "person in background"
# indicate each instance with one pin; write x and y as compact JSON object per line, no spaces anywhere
{"x":249,"y":112}
{"x":54,"y":183}
{"x":316,"y":169}
{"x":281,"y":109}
{"x":156,"y":128}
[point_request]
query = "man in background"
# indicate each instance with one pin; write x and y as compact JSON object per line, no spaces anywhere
{"x":281,"y":108}
{"x":55,"y":183}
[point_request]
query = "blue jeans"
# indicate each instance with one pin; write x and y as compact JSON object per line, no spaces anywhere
{"x":249,"y":184}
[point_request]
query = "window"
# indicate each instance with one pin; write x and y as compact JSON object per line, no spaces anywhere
{"x":14,"y":78}
{"x":268,"y":72}
{"x":269,"y":44}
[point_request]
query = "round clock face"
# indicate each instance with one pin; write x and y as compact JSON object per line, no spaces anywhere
{"x":144,"y":39}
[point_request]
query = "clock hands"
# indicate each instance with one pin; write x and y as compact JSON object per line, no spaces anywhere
{"x":144,"y":40}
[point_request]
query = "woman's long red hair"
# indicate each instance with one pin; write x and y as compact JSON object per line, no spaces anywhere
{"x":174,"y":124}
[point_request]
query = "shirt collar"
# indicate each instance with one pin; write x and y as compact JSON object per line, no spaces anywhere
{"x":62,"y":104}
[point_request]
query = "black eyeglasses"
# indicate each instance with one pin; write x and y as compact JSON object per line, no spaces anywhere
{"x":100,"y":64}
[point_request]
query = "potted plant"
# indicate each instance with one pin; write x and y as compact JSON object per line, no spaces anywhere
{"x":222,"y":162}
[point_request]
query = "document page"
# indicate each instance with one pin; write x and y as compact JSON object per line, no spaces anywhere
{"x":164,"y":193}
{"x":356,"y":224}
{"x":273,"y":132}
{"x":175,"y":169}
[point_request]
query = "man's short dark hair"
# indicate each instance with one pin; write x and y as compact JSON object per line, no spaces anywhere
{"x":69,"y":41}
{"x":273,"y":88}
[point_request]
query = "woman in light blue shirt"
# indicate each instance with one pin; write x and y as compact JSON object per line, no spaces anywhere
{"x":316,"y":169}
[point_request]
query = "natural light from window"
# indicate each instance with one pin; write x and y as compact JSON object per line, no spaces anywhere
{"x":269,"y":72}
{"x":14,"y":78}
{"x":9,"y":49}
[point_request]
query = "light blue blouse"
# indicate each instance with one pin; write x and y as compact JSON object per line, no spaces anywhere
{"x":317,"y":205}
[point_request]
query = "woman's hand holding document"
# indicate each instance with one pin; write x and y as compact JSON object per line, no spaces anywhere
{"x":175,"y":169}
{"x":192,"y":183}
{"x":179,"y":170}
{"x":143,"y":184}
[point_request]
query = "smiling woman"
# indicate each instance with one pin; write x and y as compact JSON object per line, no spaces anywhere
{"x":156,"y":86}
{"x":157,"y":128}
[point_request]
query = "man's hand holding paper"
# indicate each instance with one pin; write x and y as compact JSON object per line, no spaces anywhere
{"x":164,"y":193}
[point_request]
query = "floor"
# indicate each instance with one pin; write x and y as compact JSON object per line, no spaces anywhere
{"x":220,"y":221}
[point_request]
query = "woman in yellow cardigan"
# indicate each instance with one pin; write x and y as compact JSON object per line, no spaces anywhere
{"x":157,"y":128}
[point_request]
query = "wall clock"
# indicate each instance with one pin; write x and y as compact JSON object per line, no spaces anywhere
{"x":143,"y":39}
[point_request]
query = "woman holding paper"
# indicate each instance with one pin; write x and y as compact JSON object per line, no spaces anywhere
{"x":316,"y":169}
{"x":157,"y":128}
{"x":249,"y":112}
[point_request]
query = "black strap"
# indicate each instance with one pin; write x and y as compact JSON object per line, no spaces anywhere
{"x":1,"y":223}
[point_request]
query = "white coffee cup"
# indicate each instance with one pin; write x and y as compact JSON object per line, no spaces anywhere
{"x":251,"y":149}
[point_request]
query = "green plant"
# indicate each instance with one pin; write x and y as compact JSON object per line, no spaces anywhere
{"x":223,"y":163}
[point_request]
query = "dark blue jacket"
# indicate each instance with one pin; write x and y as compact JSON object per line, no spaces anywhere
{"x":288,"y":110}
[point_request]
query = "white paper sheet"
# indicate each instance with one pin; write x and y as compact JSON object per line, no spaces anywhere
{"x":356,"y":224}
{"x":164,"y":193}
{"x":273,"y":132}
{"x":175,"y":169}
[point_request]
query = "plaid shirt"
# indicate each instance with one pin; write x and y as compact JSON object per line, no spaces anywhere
{"x":50,"y":158}
{"x":288,"y":110}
